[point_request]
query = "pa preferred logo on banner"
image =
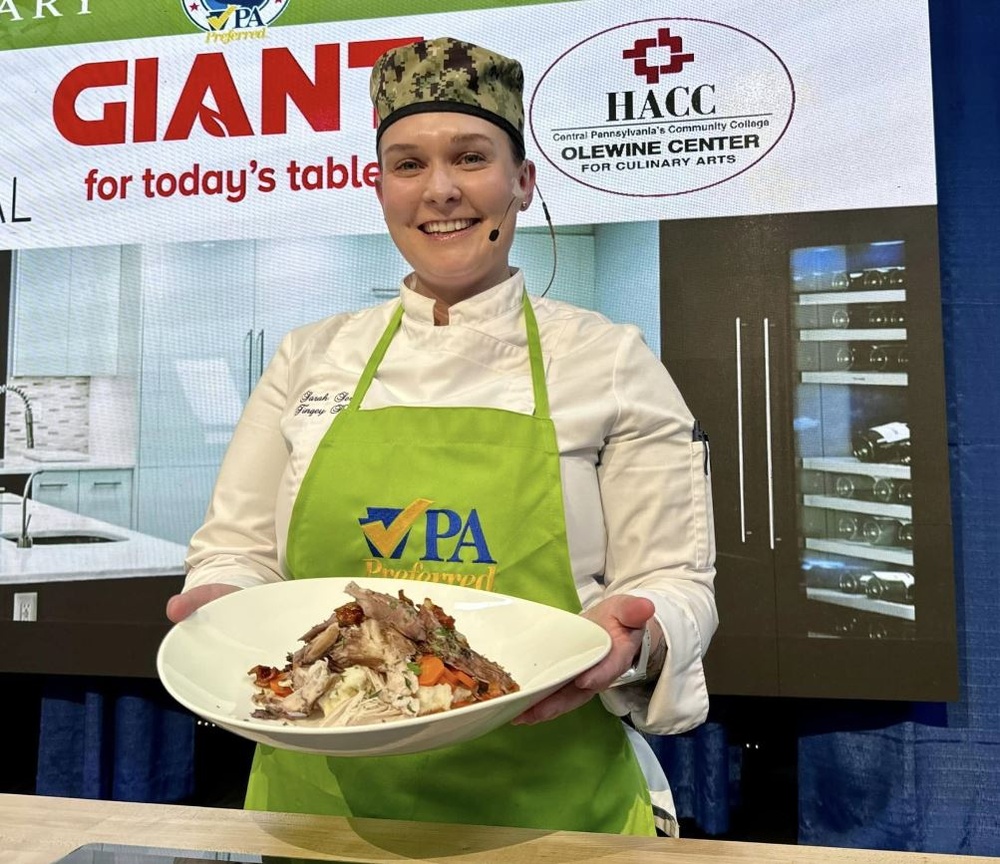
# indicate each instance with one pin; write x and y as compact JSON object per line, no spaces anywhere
{"x":219,"y":16}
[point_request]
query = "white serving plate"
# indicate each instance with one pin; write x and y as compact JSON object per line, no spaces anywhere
{"x":204,"y":660}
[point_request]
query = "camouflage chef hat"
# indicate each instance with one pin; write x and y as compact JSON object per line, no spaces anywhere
{"x":449,"y":75}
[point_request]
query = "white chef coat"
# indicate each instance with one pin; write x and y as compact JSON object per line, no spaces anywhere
{"x":635,"y":484}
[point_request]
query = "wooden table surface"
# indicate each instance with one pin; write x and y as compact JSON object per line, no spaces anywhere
{"x":40,"y":830}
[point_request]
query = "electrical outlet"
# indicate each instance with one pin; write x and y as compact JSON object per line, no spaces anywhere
{"x":26,"y":606}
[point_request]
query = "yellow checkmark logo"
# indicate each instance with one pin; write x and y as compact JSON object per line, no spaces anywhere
{"x":219,"y":21}
{"x":385,"y":538}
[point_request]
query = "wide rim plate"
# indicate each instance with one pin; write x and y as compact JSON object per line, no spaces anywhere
{"x":262,"y":624}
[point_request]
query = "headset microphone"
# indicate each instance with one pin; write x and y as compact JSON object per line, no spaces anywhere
{"x":495,"y":233}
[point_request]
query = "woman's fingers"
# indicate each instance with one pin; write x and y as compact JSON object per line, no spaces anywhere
{"x":624,"y":618}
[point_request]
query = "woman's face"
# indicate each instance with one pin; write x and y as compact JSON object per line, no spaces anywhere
{"x":446,"y":181}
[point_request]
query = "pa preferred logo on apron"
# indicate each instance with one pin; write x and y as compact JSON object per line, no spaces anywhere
{"x":450,"y":540}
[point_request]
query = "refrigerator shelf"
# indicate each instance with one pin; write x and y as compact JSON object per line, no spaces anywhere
{"x":879,"y":379}
{"x":894,"y":295}
{"x":853,"y":505}
{"x":850,"y":465}
{"x":888,"y":554}
{"x":862,"y":603}
{"x":847,"y":334}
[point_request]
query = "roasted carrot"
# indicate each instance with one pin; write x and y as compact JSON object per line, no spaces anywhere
{"x":464,"y":680}
{"x":431,"y":670}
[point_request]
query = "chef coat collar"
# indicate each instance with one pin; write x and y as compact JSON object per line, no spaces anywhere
{"x":501,"y":299}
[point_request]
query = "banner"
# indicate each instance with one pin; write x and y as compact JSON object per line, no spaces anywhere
{"x":244,"y":117}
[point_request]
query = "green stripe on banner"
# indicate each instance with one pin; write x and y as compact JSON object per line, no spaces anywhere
{"x":41,"y":23}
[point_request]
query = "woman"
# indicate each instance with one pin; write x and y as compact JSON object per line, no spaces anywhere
{"x":554,"y":447}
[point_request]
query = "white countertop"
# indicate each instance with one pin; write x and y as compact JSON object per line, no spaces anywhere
{"x":15,"y":462}
{"x":135,"y":555}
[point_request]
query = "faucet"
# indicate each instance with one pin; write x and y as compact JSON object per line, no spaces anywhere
{"x":29,"y":420}
{"x":24,"y":541}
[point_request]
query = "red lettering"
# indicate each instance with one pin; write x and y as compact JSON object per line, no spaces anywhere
{"x":110,"y":128}
{"x":209,"y":73}
{"x":283,"y":79}
{"x":210,"y":96}
{"x":147,"y":88}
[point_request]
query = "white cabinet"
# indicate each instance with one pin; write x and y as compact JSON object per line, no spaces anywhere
{"x":101,"y":494}
{"x":213,"y":314}
{"x":57,"y":489}
{"x":106,"y":495}
{"x":65,"y":316}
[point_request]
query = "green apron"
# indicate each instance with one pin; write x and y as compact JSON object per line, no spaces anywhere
{"x":470,"y":496}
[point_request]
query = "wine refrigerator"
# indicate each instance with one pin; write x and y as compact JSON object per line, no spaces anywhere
{"x":809,"y":347}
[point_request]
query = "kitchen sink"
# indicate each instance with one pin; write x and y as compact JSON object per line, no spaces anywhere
{"x":64,"y":538}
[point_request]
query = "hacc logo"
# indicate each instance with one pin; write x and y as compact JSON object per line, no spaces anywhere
{"x":215,"y":16}
{"x":387,"y":530}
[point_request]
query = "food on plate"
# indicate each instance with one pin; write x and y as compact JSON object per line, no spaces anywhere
{"x":375,"y":659}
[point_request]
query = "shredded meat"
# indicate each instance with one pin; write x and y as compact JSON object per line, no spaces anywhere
{"x":363,"y":665}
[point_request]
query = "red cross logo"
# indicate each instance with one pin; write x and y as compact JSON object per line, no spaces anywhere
{"x":639,"y":51}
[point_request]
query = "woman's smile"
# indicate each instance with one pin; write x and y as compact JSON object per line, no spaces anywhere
{"x":446,"y":229}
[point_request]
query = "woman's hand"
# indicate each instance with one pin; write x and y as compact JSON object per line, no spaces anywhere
{"x":624,"y":617}
{"x":181,"y":605}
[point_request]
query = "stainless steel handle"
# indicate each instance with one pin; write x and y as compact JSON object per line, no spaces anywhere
{"x":249,"y":341}
{"x":52,"y":485}
{"x":770,"y":442}
{"x":260,"y":353}
{"x":97,"y":483}
{"x":739,"y":428}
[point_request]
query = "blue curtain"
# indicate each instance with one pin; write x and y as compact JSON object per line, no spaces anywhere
{"x":113,"y":739}
{"x":927,"y":777}
{"x":704,"y":774}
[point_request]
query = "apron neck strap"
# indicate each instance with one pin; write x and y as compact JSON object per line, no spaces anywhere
{"x":364,"y":382}
{"x":534,"y":356}
{"x":537,"y":365}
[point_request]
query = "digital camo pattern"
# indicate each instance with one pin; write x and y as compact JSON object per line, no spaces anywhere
{"x":449,"y":70}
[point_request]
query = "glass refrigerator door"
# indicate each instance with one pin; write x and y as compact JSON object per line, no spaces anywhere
{"x":852,"y":440}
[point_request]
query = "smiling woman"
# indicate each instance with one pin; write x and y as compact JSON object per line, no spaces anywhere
{"x":487,"y":438}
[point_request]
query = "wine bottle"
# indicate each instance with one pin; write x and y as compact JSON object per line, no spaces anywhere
{"x":891,"y":585}
{"x":905,"y":534}
{"x":855,"y":583}
{"x":880,"y":532}
{"x":888,"y":358}
{"x":848,"y":527}
{"x":873,"y":279}
{"x":847,"y":357}
{"x":839,"y":281}
{"x":884,"y":490}
{"x":856,"y":280}
{"x":897,"y":315}
{"x":854,"y":486}
{"x":847,"y":626}
{"x":889,"y":442}
{"x":896,"y":278}
{"x":904,"y":492}
{"x":878,"y":316}
{"x":840,"y":317}
{"x":878,"y":630}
